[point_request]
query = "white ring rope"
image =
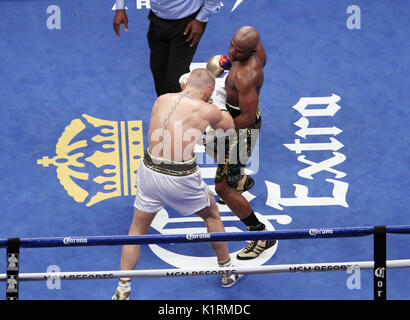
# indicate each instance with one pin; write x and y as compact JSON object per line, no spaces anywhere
{"x":156,"y":273}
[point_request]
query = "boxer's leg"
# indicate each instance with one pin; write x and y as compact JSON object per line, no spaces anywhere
{"x":130,"y":253}
{"x":233,"y":169}
{"x":213,"y":223}
{"x":243,"y":210}
{"x":139,"y":226}
{"x":232,"y":198}
{"x":226,"y":182}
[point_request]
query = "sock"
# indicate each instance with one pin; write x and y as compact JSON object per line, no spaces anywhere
{"x":253,"y":223}
{"x":225,"y":264}
{"x":124,"y":284}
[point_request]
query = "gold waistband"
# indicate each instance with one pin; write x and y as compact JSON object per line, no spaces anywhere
{"x":172,"y":168}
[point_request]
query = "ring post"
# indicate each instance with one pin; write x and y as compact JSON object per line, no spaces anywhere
{"x":379,"y":270}
{"x":12,"y":281}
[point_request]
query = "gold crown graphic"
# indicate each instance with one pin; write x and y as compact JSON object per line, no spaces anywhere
{"x":120,"y":145}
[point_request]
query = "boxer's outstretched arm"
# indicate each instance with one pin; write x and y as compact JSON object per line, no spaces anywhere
{"x":221,"y":119}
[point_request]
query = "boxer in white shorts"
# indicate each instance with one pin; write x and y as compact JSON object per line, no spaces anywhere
{"x":159,"y":188}
{"x":169,"y":175}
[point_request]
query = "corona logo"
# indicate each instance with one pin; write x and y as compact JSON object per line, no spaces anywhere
{"x":162,"y":223}
{"x":98,"y":159}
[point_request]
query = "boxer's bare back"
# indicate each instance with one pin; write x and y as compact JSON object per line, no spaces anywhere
{"x":178,"y":121}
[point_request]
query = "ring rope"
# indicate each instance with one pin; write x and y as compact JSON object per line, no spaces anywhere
{"x":313,"y":233}
{"x":156,"y":273}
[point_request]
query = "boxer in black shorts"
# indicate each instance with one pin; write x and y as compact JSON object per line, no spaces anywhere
{"x":242,"y":86}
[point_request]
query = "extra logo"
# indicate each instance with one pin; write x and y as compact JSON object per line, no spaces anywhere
{"x":321,"y":140}
{"x":97,"y":159}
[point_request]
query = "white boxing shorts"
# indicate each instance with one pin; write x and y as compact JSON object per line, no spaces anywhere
{"x":160,"y":186}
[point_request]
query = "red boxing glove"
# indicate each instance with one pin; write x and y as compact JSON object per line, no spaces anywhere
{"x":224,"y":62}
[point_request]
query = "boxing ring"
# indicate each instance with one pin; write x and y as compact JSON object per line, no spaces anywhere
{"x":71,"y":89}
{"x":379,"y":265}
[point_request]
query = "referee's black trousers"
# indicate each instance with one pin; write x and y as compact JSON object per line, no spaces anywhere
{"x":170,"y":54}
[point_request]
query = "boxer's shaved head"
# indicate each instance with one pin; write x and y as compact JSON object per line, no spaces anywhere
{"x":247,"y":38}
{"x":244,"y":43}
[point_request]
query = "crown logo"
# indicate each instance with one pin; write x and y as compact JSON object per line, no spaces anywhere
{"x":98,"y":159}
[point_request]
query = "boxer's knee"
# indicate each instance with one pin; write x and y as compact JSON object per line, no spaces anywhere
{"x":222,"y":186}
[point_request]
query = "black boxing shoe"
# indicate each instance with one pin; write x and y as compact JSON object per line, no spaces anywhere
{"x":244,"y":184}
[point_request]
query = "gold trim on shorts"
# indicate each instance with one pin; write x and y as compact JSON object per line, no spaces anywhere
{"x":172,"y":168}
